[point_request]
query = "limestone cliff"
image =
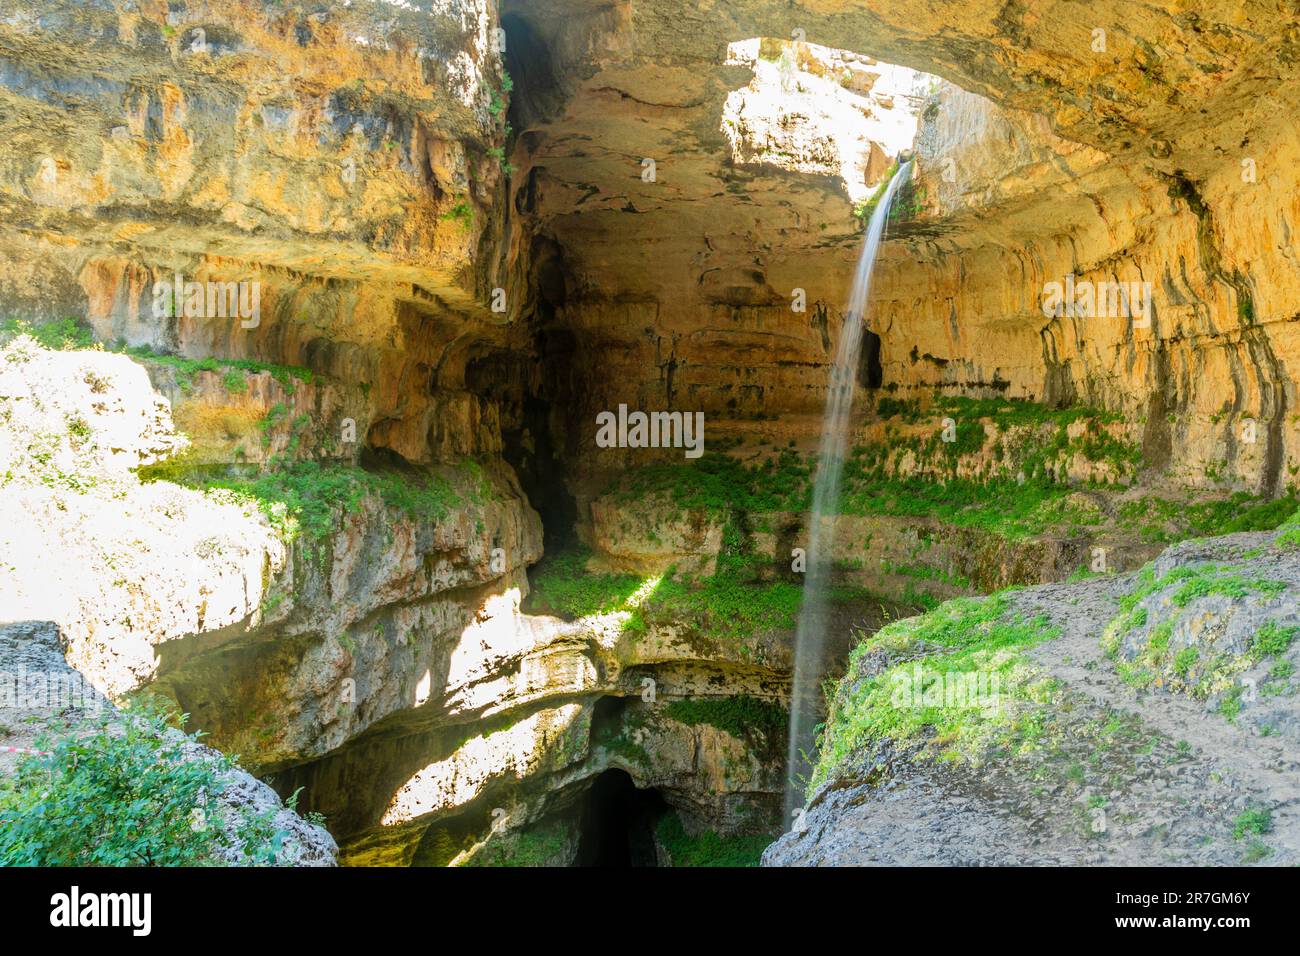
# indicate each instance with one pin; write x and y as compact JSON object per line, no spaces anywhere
{"x":309,"y":309}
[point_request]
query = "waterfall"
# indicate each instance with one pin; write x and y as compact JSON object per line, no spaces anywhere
{"x":810,"y":637}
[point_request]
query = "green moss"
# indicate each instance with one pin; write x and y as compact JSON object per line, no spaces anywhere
{"x":1188,"y":668}
{"x":1185,"y":660}
{"x":1230,"y":705}
{"x":1012,"y":412}
{"x":909,"y":409}
{"x":864,"y":209}
{"x":761,"y":722}
{"x":1007,"y":508}
{"x":71,"y":334}
{"x":732,"y":605}
{"x":59,"y":335}
{"x":622,"y":737}
{"x":562,"y":585}
{"x":965,"y":642}
{"x":1161,"y":520}
{"x":185,"y":369}
{"x":727,"y":605}
{"x":544,"y":845}
{"x":307,"y":498}
{"x":1273,"y":639}
{"x":721,"y":484}
{"x":708,"y":848}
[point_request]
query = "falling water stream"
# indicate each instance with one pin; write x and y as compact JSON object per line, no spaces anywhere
{"x":810,"y":638}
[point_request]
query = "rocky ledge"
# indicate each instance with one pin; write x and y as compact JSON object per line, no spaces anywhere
{"x":1142,"y":718}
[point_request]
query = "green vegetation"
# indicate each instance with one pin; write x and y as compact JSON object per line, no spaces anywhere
{"x":1028,"y":439}
{"x":462,"y":212}
{"x":734,"y":604}
{"x":1254,"y":822}
{"x":707,"y":848}
{"x":562,"y":585}
{"x":72,"y":334}
{"x":925,"y":572}
{"x":125,"y":794}
{"x":185,"y":369}
{"x":619,"y":739}
{"x":761,"y":722}
{"x":61,"y":335}
{"x":1273,"y":639}
{"x":721,"y":484}
{"x":1160,"y":520}
{"x":1290,"y":536}
{"x":1011,"y":510}
{"x":1193,"y":668}
{"x":497,"y":103}
{"x":1018,"y":493}
{"x":909,"y":201}
{"x":307,"y":498}
{"x":867,"y":207}
{"x":968,"y":643}
{"x":727,"y":605}
{"x":544,"y":845}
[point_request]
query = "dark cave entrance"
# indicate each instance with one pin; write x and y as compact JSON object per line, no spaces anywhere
{"x":618,"y":822}
{"x":870,"y":372}
{"x":537,"y":95}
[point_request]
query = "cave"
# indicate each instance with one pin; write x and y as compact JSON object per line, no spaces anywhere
{"x":373,"y":542}
{"x":870,"y":372}
{"x":618,"y":822}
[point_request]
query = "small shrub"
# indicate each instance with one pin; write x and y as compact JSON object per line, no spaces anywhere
{"x":123,"y":793}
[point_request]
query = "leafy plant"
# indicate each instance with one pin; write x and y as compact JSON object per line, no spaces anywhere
{"x":124,"y":792}
{"x":707,"y":848}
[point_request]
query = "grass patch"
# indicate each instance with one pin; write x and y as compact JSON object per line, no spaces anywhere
{"x":1273,"y":639}
{"x":1192,"y":668}
{"x":1254,"y":822}
{"x":727,"y":605}
{"x":1163,"y":521}
{"x":708,"y":848}
{"x":721,"y":484}
{"x":562,"y":585}
{"x":72,"y":334}
{"x":308,"y":499}
{"x":961,"y":640}
{"x":186,"y":369}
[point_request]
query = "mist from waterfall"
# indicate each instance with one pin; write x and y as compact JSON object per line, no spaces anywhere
{"x":810,"y":637}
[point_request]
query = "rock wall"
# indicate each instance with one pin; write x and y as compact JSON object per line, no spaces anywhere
{"x":1136,"y":148}
{"x":466,"y":243}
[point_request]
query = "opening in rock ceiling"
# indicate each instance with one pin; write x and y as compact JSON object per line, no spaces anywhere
{"x":817,"y":110}
{"x":535,"y":94}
